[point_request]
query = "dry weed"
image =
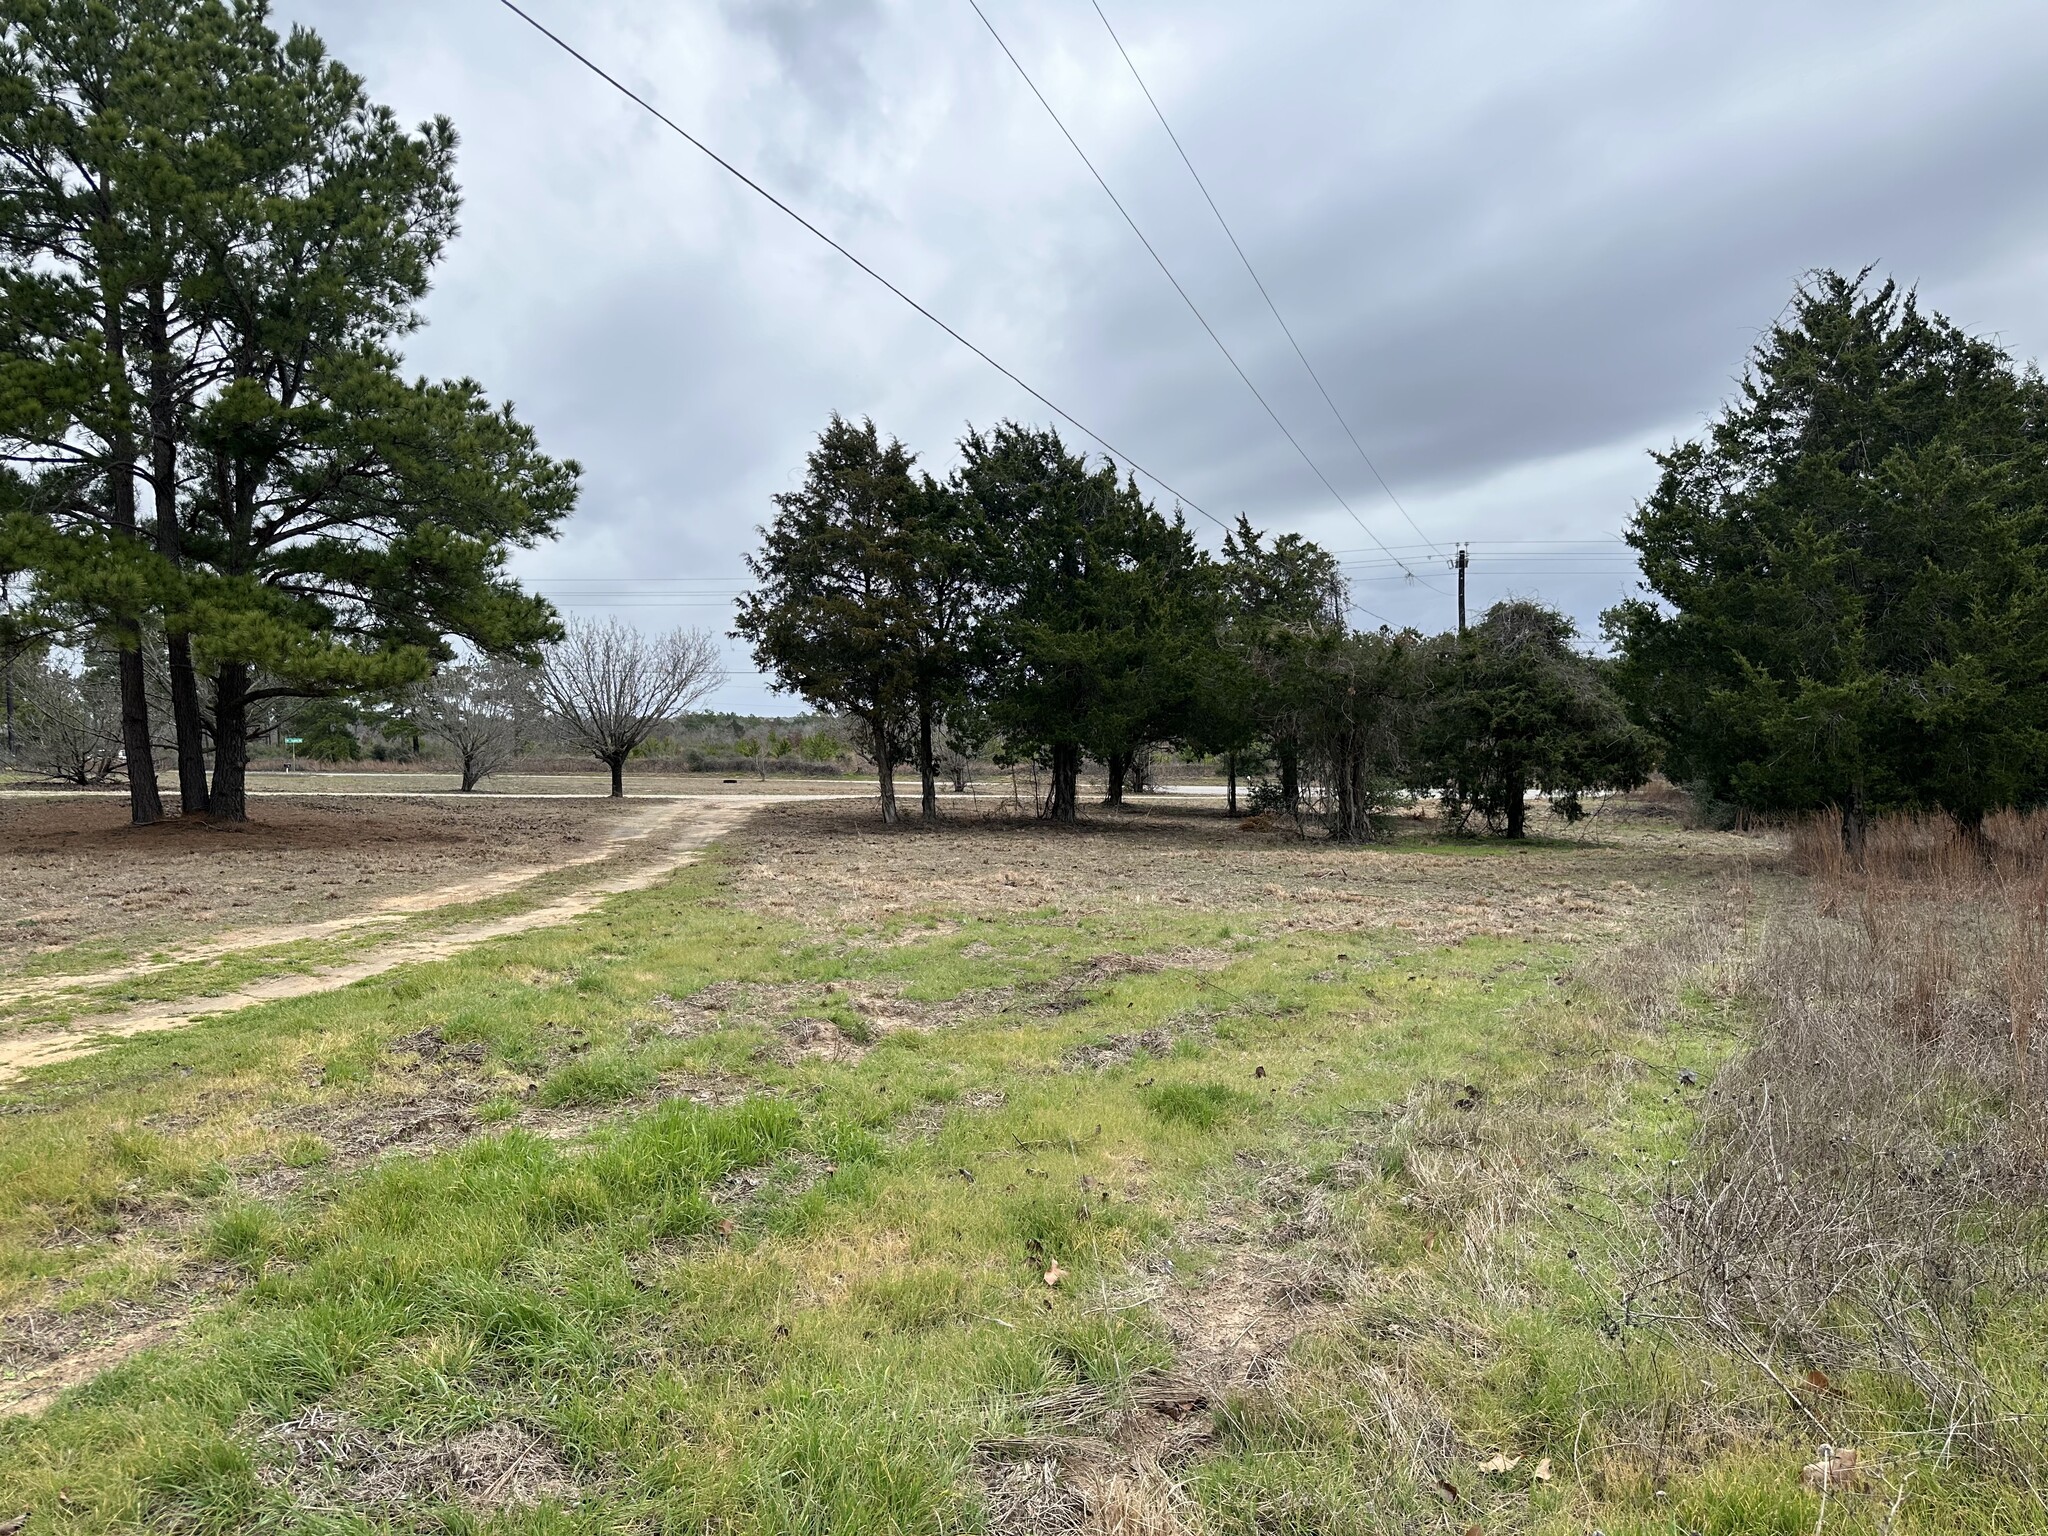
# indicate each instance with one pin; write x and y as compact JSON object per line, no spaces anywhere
{"x":330,"y":1462}
{"x":1853,"y":1196}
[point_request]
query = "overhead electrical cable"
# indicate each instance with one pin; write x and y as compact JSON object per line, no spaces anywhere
{"x":1193,"y":308}
{"x":1258,"y":282}
{"x":726,"y":165}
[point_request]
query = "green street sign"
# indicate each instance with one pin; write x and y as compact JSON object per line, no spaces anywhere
{"x":294,"y":741}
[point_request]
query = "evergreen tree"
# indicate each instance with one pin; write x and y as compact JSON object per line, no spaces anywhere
{"x":212,"y":242}
{"x":91,"y":97}
{"x":1512,"y":706}
{"x":945,"y":603}
{"x":1366,"y":696}
{"x":1100,"y":608}
{"x":345,"y":522}
{"x":1283,"y":615}
{"x":833,"y":618}
{"x":1851,"y":595}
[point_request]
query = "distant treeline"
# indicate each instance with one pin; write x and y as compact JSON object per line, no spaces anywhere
{"x":1845,"y":607}
{"x":1037,"y":608}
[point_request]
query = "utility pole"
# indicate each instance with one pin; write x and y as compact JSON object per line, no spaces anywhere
{"x":1460,"y":564}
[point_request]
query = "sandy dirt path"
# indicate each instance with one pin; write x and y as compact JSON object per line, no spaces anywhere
{"x":649,"y":823}
{"x":35,"y":1390}
{"x":683,"y":828}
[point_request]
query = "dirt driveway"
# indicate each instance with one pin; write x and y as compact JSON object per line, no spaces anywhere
{"x":72,"y":871}
{"x":88,"y":869}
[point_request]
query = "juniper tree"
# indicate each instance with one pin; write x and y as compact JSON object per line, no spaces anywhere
{"x":1512,"y":706}
{"x":1283,"y":611}
{"x":945,"y":600}
{"x":1100,"y":608}
{"x":1847,"y":575}
{"x":832,"y":618}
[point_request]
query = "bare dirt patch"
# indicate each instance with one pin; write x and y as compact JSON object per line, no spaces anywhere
{"x":806,"y":1018}
{"x":1119,"y":1050}
{"x":1105,"y":1459}
{"x":76,"y":872}
{"x":46,"y":1350}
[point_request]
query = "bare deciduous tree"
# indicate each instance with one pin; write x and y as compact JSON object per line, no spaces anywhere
{"x":611,"y":686}
{"x":70,"y":724}
{"x":483,"y":709}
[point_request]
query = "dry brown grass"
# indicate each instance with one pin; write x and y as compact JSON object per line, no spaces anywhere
{"x":1858,"y":1192}
{"x":830,"y":865}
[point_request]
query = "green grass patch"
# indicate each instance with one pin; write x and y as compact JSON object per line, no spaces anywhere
{"x":1199,"y":1106}
{"x":606,"y":1077}
{"x":800,"y":1305}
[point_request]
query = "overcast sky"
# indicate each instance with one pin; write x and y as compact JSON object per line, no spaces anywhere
{"x":1523,"y":245}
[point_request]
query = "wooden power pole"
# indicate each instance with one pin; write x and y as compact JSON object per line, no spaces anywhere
{"x":1461,"y":563}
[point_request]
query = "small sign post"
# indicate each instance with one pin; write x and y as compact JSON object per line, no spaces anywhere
{"x":293,"y":742}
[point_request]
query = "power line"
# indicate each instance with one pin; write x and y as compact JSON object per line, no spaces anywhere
{"x":726,"y":165}
{"x":1229,"y":233}
{"x":1193,"y":308}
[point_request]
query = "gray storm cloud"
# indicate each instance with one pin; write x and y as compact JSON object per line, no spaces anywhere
{"x":1522,"y":245}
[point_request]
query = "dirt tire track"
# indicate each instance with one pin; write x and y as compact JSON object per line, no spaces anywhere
{"x":24,"y":1052}
{"x":393,"y":909}
{"x":33,"y":1391}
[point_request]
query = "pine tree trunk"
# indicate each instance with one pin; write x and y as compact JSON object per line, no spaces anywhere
{"x":1290,"y":779}
{"x":1119,"y":768}
{"x":145,"y":801}
{"x":230,"y":798}
{"x":187,"y":720}
{"x":1230,"y":766}
{"x":1518,"y":802}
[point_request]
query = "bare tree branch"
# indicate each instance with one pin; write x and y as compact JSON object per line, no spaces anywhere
{"x":611,"y":686}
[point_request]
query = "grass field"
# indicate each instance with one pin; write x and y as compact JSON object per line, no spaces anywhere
{"x":1162,"y":1176}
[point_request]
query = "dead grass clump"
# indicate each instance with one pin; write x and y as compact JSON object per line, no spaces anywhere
{"x":837,"y":1020}
{"x":419,"y":1123}
{"x":324,"y":1457}
{"x":1096,"y":1459}
{"x":431,"y":1047}
{"x":1854,"y":1195}
{"x":1105,"y":1458}
{"x":1119,"y":1050}
{"x":1028,"y":1495}
{"x":1653,"y":979}
{"x":1462,"y":1162}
